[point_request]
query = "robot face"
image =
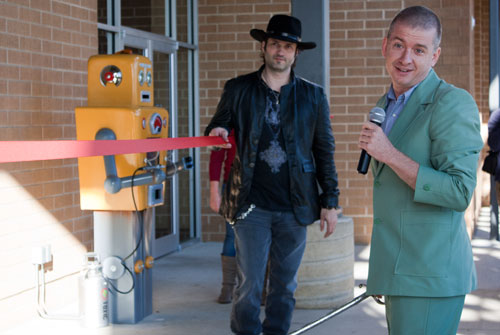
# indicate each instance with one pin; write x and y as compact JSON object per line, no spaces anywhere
{"x":111,"y":75}
{"x":145,"y":77}
{"x":120,"y":80}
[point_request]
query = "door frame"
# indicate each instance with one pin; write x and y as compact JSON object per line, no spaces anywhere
{"x":149,"y":43}
{"x":118,"y":36}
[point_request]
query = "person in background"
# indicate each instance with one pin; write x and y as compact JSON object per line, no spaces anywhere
{"x":424,"y":173}
{"x":494,"y":144}
{"x":284,"y":148}
{"x":219,"y":159}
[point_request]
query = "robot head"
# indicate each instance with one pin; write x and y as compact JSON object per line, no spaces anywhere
{"x":120,"y":80}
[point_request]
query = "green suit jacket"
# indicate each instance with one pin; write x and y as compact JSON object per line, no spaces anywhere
{"x":420,"y":245}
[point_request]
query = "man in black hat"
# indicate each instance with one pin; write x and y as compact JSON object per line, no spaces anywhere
{"x":284,"y":148}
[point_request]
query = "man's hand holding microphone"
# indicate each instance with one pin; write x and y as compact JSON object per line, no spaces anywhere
{"x":374,"y":143}
{"x":369,"y":138}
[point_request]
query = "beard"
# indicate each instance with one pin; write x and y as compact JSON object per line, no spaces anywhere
{"x":278,"y":65}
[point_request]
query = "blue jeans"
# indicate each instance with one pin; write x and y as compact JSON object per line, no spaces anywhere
{"x":228,"y":246}
{"x":260,"y":235}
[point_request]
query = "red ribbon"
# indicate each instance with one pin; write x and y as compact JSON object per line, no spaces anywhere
{"x":25,"y":151}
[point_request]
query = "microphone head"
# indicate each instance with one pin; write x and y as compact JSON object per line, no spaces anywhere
{"x":377,"y":115}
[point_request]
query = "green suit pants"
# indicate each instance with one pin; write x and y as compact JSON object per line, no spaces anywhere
{"x":423,"y":315}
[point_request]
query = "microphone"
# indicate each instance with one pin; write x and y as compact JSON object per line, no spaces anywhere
{"x":377,"y":116}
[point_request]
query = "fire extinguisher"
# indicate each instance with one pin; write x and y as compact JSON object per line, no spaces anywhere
{"x":94,"y":293}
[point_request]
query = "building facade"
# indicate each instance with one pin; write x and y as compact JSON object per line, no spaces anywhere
{"x":44,"y":47}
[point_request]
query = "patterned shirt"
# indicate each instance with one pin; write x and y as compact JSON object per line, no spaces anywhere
{"x":271,"y":183}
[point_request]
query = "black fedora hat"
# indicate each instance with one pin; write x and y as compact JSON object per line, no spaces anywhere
{"x":285,"y":28}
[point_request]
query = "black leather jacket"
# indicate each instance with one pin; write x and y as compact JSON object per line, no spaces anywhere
{"x":308,"y":138}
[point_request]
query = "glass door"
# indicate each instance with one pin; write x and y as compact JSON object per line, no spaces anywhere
{"x":166,"y":227}
{"x":162,"y":54}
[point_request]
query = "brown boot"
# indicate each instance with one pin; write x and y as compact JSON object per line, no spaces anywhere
{"x":228,"y":279}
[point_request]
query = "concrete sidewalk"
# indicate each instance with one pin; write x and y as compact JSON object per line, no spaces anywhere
{"x":187,"y":283}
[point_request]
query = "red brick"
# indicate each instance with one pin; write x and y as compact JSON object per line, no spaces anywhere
{"x":233,"y":9}
{"x":52,"y":48}
{"x":51,"y":76}
{"x":379,"y":33}
{"x":71,"y":50}
{"x":19,"y":88}
{"x":83,"y":224}
{"x":48,"y":204}
{"x":348,"y":5}
{"x":18,"y":57}
{"x":253,"y":18}
{"x":29,"y":15}
{"x":71,"y":24}
{"x":347,"y":25}
{"x":52,"y":133}
{"x":9,"y":72}
{"x":43,"y":5}
{"x":231,"y":28}
{"x":49,"y":104}
{"x":71,"y":213}
{"x":69,"y":132}
{"x":221,"y":19}
{"x":80,"y":13}
{"x":41,"y":118}
{"x":61,"y":8}
{"x":31,"y":103}
{"x":30,"y":44}
{"x":9,"y":103}
{"x":52,"y":188}
{"x":42,"y":61}
{"x":365,"y":14}
{"x":80,"y":39}
{"x":8,"y":10}
{"x":19,"y":118}
{"x":63,"y":63}
{"x":282,"y":8}
{"x":52,"y":20}
{"x":85,"y":53}
{"x":59,"y":35}
{"x":386,"y":4}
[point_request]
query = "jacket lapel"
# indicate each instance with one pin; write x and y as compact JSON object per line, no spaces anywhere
{"x":422,"y":96}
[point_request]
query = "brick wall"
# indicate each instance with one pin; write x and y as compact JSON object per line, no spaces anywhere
{"x":481,"y":55}
{"x":481,"y":84}
{"x":44,"y":47}
{"x":358,"y":79}
{"x":358,"y":76}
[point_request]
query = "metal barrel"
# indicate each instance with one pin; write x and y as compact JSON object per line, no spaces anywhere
{"x":330,"y":315}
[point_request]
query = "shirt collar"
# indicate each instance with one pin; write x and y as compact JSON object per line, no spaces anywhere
{"x":406,"y":95}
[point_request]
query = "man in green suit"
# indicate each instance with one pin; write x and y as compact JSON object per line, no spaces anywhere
{"x":425,"y":159}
